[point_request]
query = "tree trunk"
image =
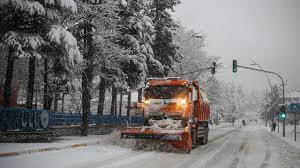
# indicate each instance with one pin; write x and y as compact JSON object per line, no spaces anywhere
{"x":36,"y":98}
{"x":56,"y":96}
{"x":140,"y":95}
{"x":113,"y":101}
{"x":49,"y":101}
{"x":85,"y":102}
{"x":30,"y":86}
{"x":8,"y":78}
{"x":87,"y":75}
{"x":102,"y":89}
{"x":116,"y":103}
{"x":46,"y":92}
{"x":120,"y":105}
{"x":62,"y":102}
{"x":128,"y":103}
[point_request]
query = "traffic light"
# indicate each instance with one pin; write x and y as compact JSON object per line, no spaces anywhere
{"x":282,"y":113}
{"x":213,"y":68}
{"x":234,"y":66}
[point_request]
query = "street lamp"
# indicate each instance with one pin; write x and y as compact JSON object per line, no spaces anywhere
{"x":194,"y":35}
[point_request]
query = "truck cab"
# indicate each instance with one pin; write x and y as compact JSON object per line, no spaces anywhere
{"x":175,"y":110}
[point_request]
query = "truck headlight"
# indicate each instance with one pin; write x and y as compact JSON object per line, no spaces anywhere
{"x":181,"y":102}
{"x":147,"y":101}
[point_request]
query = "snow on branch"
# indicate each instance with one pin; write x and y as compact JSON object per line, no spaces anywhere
{"x":32,"y":7}
{"x":33,"y":42}
{"x":68,"y":4}
{"x":12,"y":39}
{"x":61,"y":36}
{"x":19,"y":42}
{"x":49,"y":2}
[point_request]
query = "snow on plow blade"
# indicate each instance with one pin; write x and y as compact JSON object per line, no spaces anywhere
{"x":140,"y":133}
{"x":178,"y":138}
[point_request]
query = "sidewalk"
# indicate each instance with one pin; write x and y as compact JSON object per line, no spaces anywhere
{"x":64,"y":142}
{"x":289,"y":134}
{"x":221,"y":125}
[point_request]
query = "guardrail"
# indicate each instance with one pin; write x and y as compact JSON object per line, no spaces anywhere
{"x":35,"y":120}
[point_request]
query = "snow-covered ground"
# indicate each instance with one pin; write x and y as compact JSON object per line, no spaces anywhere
{"x":60,"y":142}
{"x":289,"y":134}
{"x":229,"y":146}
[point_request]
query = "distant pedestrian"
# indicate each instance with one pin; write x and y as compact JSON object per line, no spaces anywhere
{"x":244,"y":123}
{"x":273,"y":126}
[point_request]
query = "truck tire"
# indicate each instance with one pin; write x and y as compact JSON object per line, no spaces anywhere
{"x":203,"y":142}
{"x":206,"y":135}
{"x":188,"y":151}
{"x":204,"y":139}
{"x":194,"y":139}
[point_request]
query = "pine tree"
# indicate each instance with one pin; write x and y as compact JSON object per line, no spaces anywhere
{"x":165,"y":50}
{"x":96,"y":29}
{"x":137,"y":30}
{"x":26,"y":27}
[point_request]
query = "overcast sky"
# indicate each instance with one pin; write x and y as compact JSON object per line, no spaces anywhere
{"x":266,"y":31}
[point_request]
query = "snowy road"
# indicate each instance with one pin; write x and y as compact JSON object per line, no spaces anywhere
{"x":229,"y":147}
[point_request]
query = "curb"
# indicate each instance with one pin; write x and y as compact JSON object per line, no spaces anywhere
{"x":46,"y":149}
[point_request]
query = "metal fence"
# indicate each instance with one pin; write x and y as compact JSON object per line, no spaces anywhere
{"x":76,"y":119}
{"x":35,"y":120}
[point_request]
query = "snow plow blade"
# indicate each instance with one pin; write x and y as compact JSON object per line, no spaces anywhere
{"x":178,"y":138}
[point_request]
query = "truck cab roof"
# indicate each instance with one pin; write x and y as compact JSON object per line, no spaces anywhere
{"x":167,"y":81}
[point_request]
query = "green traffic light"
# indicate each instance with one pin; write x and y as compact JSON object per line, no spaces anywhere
{"x":282,"y":115}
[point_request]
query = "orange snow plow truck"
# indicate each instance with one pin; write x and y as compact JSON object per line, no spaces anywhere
{"x":174,"y":110}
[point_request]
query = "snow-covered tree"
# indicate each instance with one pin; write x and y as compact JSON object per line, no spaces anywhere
{"x":28,"y":25}
{"x":164,"y":49}
{"x":96,"y":27}
{"x":271,"y":102}
{"x":137,"y":30}
{"x":227,"y":99}
{"x":192,"y":53}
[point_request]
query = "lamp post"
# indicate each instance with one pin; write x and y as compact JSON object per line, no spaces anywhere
{"x":194,"y":35}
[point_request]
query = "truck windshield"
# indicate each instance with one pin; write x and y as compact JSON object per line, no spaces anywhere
{"x":165,"y":91}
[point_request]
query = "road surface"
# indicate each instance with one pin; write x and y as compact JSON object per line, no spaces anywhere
{"x":229,"y":147}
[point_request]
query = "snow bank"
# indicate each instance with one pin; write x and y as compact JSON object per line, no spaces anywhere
{"x":289,"y":135}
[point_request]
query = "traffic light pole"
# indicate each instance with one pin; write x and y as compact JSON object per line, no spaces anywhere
{"x":283,"y":98}
{"x":199,"y":70}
